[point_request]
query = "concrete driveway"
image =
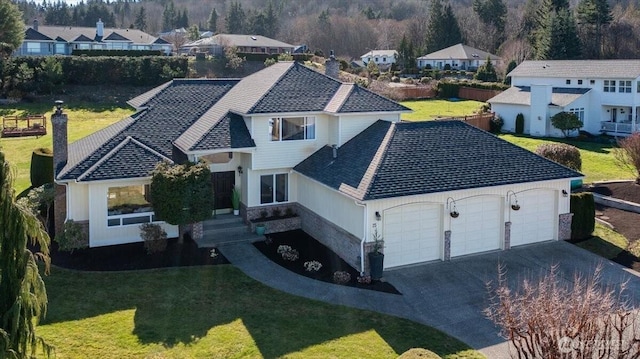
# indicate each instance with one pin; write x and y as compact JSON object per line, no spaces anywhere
{"x":452,"y":295}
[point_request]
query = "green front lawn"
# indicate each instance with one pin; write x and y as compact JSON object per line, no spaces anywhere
{"x":605,"y":242}
{"x":84,"y":119}
{"x":216,"y":312}
{"x":431,"y":109}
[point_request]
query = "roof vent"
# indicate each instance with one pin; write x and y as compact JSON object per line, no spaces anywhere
{"x":335,"y":151}
{"x":254,"y":38}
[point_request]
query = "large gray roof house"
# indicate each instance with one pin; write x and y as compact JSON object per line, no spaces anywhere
{"x":291,"y":139}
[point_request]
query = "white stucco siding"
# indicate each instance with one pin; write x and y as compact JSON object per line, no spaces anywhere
{"x":334,"y":130}
{"x":78,"y":201}
{"x":331,"y":205}
{"x":351,"y":125}
{"x":102,"y":235}
{"x":508,"y":113}
{"x":283,"y":154}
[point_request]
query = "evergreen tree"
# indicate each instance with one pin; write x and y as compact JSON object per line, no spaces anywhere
{"x":235,"y":19}
{"x":491,"y":12}
{"x":212,"y":23}
{"x":24,"y":297}
{"x":593,"y":17}
{"x":512,"y":65}
{"x":406,"y":55}
{"x":557,"y":39}
{"x":486,"y":72}
{"x":194,"y":33}
{"x":182,"y":19}
{"x":11,"y":28}
{"x":443,"y":30}
{"x":141,"y":19}
{"x":272,"y":22}
{"x":169,"y":17}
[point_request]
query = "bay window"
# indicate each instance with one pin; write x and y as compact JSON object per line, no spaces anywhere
{"x":292,"y":128}
{"x":129,"y":205}
{"x":274,"y":188}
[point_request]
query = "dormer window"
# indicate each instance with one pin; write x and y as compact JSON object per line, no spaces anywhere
{"x":292,"y":128}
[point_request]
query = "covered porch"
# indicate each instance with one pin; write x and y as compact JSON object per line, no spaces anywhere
{"x":619,"y":120}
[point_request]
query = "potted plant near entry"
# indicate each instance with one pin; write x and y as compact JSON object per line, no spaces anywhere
{"x":260,"y":228}
{"x":235,"y":201}
{"x":376,"y":258}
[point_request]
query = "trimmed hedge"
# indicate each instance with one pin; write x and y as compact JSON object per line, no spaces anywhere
{"x":41,"y":167}
{"x":520,"y":124}
{"x":252,"y":56}
{"x":447,"y":89}
{"x":583,"y":208}
{"x":561,"y":153}
{"x":129,"y":53}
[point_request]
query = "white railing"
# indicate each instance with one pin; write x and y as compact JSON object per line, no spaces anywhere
{"x":618,"y":127}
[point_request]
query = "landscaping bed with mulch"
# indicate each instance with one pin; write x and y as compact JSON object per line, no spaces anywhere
{"x":624,"y":222}
{"x":309,"y":249}
{"x":132,"y":256}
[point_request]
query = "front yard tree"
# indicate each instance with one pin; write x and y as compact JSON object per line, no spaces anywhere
{"x":182,"y":194}
{"x":23,"y":301}
{"x":566,"y":122}
{"x":11,"y":27}
{"x":486,"y":72}
{"x":627,"y":155}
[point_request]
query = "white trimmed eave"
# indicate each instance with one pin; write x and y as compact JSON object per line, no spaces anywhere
{"x":116,"y":180}
{"x":376,"y":113}
{"x":326,"y":186}
{"x":221,"y":150}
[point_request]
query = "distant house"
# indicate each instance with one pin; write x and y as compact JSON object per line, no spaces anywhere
{"x":256,"y":44}
{"x":603,"y":94}
{"x":382,"y":58}
{"x":459,"y":57}
{"x":62,"y":40}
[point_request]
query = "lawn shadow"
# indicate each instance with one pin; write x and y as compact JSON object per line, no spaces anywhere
{"x":598,"y":146}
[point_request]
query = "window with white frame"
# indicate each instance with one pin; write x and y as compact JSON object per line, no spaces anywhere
{"x":579,"y":112}
{"x":274,"y":188}
{"x":129,"y":205}
{"x":609,"y":86}
{"x":292,"y":128}
{"x":33,"y":48}
{"x":624,"y":87}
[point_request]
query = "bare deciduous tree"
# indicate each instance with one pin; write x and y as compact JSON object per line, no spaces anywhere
{"x":627,"y":155}
{"x":552,"y":317}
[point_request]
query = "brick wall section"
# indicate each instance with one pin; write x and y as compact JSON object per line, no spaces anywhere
{"x":507,"y":235}
{"x":278,"y":225}
{"x":343,"y":243}
{"x":85,"y":231}
{"x":332,"y":67}
{"x":564,"y":226}
{"x":197,"y":231}
{"x":60,"y":208}
{"x":253,"y":213}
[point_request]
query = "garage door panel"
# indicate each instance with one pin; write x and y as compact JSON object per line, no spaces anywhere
{"x":412,"y":234}
{"x":536,"y":219}
{"x":479,"y":226}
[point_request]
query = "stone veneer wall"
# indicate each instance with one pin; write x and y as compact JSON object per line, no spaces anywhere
{"x":253,"y":213}
{"x":507,"y":235}
{"x":343,"y":243}
{"x":564,"y":226}
{"x":278,"y":225}
{"x":197,"y":231}
{"x":85,"y":232}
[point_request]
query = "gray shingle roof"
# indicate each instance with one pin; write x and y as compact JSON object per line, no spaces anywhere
{"x":71,"y":33}
{"x":586,"y":69}
{"x":521,"y":95}
{"x":459,"y":52}
{"x":230,"y":132}
{"x":167,"y":115}
{"x":409,"y":158}
{"x":363,"y":100}
{"x":239,"y":40}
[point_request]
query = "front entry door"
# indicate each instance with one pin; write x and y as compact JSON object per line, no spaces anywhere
{"x":223,"y":183}
{"x":614,"y":115}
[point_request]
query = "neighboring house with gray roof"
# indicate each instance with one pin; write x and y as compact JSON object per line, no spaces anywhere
{"x":604,"y":94}
{"x":458,"y":57}
{"x":334,"y":153}
{"x":254,"y":44}
{"x":42,"y":40}
{"x":383,"y":58}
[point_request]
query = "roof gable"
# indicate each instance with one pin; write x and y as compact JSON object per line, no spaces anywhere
{"x":427,"y":157}
{"x":363,"y":100}
{"x":83,"y":38}
{"x":32,"y":34}
{"x":114,"y":36}
{"x":230,"y":132}
{"x":607,"y":69}
{"x":459,"y":52}
{"x":521,"y":95}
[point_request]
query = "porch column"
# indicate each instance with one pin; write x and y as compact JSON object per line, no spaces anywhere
{"x":633,"y":118}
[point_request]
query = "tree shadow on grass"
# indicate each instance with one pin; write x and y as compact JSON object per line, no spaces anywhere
{"x":178,"y":306}
{"x":598,"y":145}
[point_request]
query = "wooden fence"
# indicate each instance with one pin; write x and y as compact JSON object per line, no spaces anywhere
{"x":481,"y":121}
{"x":470,"y":93}
{"x":414,"y":93}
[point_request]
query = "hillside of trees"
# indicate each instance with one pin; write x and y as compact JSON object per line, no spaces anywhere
{"x":515,"y":30}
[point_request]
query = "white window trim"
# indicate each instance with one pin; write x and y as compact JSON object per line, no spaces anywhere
{"x":273,"y":190}
{"x":306,"y":119}
{"x":120,"y":217}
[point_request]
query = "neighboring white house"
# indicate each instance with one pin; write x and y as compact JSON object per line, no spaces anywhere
{"x":604,"y":94}
{"x":459,"y":57}
{"x":63,"y":40}
{"x":382,"y":58}
{"x":216,"y":44}
{"x":334,"y":153}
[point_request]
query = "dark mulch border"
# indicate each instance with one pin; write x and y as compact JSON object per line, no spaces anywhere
{"x":132,"y":256}
{"x":310,"y":249}
{"x":628,"y":191}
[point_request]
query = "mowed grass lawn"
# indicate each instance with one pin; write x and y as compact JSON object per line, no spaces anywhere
{"x":597,"y":159}
{"x":216,"y":312}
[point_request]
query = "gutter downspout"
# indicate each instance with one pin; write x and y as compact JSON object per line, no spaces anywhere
{"x":364,"y":234}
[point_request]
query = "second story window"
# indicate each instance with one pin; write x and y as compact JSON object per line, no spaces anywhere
{"x":609,"y":86}
{"x":568,"y":82}
{"x":625,"y":87}
{"x":292,"y":128}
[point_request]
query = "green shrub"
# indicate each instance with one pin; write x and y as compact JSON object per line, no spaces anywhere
{"x":584,"y":211}
{"x":447,"y":67}
{"x":419,"y":353}
{"x":566,"y":122}
{"x":496,"y":123}
{"x":520,"y":123}
{"x":128,"y":53}
{"x":72,"y":237}
{"x":561,"y":153}
{"x":154,"y":237}
{"x":41,"y":167}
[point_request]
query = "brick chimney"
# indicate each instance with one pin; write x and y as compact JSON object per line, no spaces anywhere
{"x":35,"y":24}
{"x":60,"y":154}
{"x":332,"y":67}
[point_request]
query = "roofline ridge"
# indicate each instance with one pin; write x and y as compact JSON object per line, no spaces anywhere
{"x":104,"y":158}
{"x":270,"y":87}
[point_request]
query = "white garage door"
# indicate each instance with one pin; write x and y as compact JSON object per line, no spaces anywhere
{"x":479,"y":226}
{"x":536,"y":220}
{"x":412,"y":234}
